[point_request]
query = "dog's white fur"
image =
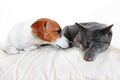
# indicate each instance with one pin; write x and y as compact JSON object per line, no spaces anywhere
{"x":21,"y":37}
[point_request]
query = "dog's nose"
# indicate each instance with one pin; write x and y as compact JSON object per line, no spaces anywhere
{"x":59,"y":31}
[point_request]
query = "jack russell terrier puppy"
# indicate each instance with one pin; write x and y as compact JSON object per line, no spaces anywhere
{"x":27,"y":37}
{"x":91,"y":37}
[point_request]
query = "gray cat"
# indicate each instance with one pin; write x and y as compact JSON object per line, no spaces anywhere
{"x":91,"y":37}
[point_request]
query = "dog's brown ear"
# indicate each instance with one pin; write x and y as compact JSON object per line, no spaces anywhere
{"x":38,"y":26}
{"x":35,"y":25}
{"x":107,"y":29}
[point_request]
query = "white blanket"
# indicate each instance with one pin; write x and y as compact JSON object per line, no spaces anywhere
{"x":49,"y":63}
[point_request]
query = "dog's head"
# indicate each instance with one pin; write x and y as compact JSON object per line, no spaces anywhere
{"x":46,"y":29}
{"x":49,"y":30}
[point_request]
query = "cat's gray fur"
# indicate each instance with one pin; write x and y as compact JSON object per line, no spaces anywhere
{"x":91,"y":37}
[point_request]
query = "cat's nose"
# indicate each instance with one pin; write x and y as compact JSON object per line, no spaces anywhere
{"x":70,"y":44}
{"x":88,"y":43}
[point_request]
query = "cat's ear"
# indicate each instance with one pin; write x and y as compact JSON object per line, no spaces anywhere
{"x":81,"y":27}
{"x":107,"y":29}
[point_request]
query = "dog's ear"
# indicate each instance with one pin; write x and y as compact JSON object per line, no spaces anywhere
{"x":107,"y":29}
{"x":80,"y":26}
{"x":38,"y":26}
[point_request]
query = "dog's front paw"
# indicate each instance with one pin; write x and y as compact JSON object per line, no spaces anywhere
{"x":11,"y":50}
{"x":31,"y":48}
{"x":89,"y":57}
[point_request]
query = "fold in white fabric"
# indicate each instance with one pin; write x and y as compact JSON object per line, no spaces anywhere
{"x":49,"y":63}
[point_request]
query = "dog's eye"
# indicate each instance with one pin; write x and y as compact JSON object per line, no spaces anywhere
{"x":59,"y":31}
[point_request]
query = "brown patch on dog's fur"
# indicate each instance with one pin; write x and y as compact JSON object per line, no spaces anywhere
{"x":46,"y":29}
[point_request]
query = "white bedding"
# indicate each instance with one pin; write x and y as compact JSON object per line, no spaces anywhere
{"x":49,"y":63}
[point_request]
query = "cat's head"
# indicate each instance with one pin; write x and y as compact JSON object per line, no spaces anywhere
{"x":86,"y":37}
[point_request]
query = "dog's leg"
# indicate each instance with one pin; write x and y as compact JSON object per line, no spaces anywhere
{"x":11,"y":50}
{"x":31,"y":48}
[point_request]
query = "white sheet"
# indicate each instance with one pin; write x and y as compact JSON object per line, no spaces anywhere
{"x":49,"y":63}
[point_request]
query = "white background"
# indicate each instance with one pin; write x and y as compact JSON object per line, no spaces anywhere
{"x":65,"y":12}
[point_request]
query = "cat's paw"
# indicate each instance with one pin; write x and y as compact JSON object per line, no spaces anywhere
{"x":89,"y":57}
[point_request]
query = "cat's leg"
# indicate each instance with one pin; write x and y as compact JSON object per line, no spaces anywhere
{"x":91,"y":53}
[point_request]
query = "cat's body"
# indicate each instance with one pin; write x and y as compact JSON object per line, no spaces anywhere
{"x":91,"y":37}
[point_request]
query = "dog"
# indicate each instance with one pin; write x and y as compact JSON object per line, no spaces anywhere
{"x":91,"y":37}
{"x":29,"y":36}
